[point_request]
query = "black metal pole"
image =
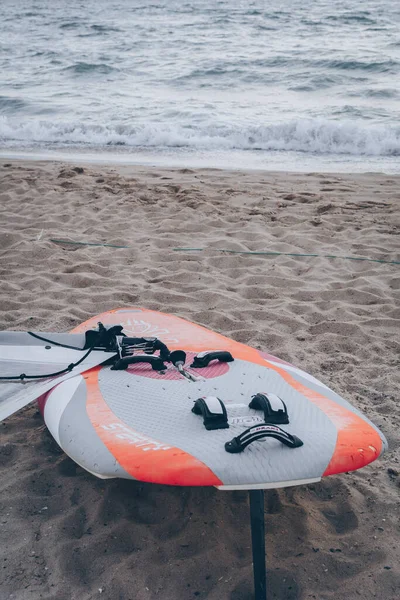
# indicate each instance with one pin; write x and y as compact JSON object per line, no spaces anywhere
{"x":258,"y":543}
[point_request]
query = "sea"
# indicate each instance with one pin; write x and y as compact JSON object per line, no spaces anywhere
{"x":269,"y":84}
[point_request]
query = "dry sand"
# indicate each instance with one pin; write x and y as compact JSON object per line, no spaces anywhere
{"x":68,"y":536}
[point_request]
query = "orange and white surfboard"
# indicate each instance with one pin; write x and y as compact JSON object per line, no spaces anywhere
{"x":138,"y":423}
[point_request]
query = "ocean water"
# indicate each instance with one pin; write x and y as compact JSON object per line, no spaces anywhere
{"x":282,"y":84}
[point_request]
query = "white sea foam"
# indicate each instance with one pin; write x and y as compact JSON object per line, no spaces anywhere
{"x":310,"y":136}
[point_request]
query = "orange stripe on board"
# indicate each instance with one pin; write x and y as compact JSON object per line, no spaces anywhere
{"x":142,"y":457}
{"x":357,"y":442}
{"x":176,"y":332}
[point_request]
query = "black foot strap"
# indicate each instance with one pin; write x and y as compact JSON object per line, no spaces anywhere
{"x":259,"y":432}
{"x":274,"y":408}
{"x":213,"y":411}
{"x":203,"y":359}
{"x":123,"y":363}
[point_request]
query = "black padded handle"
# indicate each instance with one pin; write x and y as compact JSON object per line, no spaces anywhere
{"x":204,"y":358}
{"x":259,"y":432}
{"x":123,"y":363}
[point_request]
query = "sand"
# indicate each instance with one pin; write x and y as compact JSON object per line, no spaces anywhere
{"x":65,"y":535}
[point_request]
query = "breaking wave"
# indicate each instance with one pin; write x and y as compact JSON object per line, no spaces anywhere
{"x":318,"y":136}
